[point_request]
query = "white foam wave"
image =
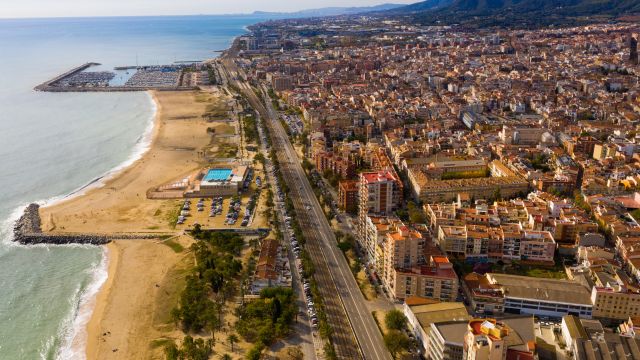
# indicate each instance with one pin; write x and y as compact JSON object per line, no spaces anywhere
{"x":143,"y":144}
{"x":74,"y":328}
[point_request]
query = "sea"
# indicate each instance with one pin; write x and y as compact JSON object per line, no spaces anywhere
{"x":57,"y":145}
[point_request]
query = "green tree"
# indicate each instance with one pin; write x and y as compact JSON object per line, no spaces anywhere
{"x":416,"y":215}
{"x":395,"y":320}
{"x":232,"y":339}
{"x":396,"y":342}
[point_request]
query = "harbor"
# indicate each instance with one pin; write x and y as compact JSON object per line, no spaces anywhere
{"x":175,"y":77}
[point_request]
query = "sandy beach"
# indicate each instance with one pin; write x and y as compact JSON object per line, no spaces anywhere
{"x":133,"y":306}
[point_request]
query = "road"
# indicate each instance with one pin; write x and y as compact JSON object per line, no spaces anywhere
{"x":303,"y":334}
{"x":355,"y":333}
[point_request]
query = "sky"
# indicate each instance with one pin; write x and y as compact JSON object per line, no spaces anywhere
{"x":74,"y":8}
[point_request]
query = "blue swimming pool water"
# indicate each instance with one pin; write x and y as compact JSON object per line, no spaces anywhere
{"x":218,"y":175}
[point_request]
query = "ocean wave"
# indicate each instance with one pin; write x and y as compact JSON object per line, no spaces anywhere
{"x":73,"y":334}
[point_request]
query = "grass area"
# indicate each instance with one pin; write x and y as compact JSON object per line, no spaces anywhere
{"x":172,"y":216}
{"x":174,"y":245}
{"x":171,"y":285}
{"x":161,"y":342}
{"x":466,"y":174}
{"x":225,"y":129}
{"x":516,"y":268}
{"x":533,"y":271}
{"x":203,"y":97}
{"x":215,"y":111}
{"x":226,"y":150}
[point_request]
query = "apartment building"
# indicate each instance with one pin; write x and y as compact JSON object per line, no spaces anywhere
{"x":377,"y":195}
{"x":479,"y":243}
{"x":614,"y":303}
{"x":446,"y":340}
{"x":348,"y":196}
{"x":490,"y":339}
{"x":435,"y":280}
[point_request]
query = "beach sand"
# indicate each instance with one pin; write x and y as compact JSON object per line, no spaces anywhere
{"x":132,"y":309}
{"x":120,"y":205}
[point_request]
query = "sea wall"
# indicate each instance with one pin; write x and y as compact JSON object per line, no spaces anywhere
{"x":27,"y":231}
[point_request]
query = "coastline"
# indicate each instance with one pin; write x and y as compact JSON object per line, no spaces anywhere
{"x":127,"y":304}
{"x":91,"y":329}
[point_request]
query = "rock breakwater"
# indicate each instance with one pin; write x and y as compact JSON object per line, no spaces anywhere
{"x":27,"y":231}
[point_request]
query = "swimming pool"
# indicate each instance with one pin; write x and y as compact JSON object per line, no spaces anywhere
{"x":217,"y":175}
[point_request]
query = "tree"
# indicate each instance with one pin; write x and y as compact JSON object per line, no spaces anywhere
{"x":212,"y":321}
{"x":295,"y":353}
{"x":416,"y":215}
{"x":396,"y":342}
{"x":225,"y":357}
{"x":232,"y":339}
{"x":395,"y":320}
{"x":497,"y":194}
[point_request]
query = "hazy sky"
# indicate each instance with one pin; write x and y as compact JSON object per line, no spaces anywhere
{"x":57,"y":8}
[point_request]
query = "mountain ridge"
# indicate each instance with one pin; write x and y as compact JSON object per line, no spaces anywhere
{"x":516,"y":13}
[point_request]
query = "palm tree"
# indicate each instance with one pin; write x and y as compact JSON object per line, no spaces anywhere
{"x":232,"y":339}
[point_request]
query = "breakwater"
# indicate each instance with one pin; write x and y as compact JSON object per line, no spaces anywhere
{"x":48,"y":84}
{"x":27,"y":231}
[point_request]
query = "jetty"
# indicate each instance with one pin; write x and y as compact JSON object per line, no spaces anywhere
{"x":27,"y":231}
{"x":47,"y":84}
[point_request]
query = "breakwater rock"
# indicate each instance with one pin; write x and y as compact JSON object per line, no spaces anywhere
{"x":27,"y":231}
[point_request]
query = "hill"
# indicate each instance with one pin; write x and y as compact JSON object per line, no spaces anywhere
{"x":517,"y":13}
{"x":334,"y":11}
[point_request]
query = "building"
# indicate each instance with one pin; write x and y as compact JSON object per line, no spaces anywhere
{"x":543,"y":297}
{"x":372,"y":242}
{"x":453,"y":240}
{"x":348,"y":196}
{"x":436,"y":280}
{"x":420,"y":317}
{"x":490,"y":339}
{"x":377,"y":195}
{"x":281,"y":83}
{"x":272,"y":268}
{"x":502,"y":182}
{"x":479,"y":243}
{"x":614,"y":302}
{"x":588,"y":339}
{"x":484,"y":296}
{"x":220,"y":181}
{"x":446,"y":340}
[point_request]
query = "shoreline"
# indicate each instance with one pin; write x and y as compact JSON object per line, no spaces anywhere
{"x":126,"y":304}
{"x":140,"y":148}
{"x":92,"y":327}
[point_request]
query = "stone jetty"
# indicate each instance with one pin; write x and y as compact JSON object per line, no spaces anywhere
{"x":27,"y":231}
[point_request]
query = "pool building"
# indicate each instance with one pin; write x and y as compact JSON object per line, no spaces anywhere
{"x":218,"y":181}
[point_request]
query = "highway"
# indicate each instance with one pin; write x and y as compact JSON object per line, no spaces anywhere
{"x":355,"y":333}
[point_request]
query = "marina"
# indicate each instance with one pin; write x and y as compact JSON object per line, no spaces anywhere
{"x":174,"y":77}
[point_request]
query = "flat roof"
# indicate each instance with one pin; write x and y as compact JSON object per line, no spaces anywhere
{"x":538,"y":289}
{"x":440,"y":312}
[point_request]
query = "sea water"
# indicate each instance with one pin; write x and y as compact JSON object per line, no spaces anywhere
{"x":52,"y":145}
